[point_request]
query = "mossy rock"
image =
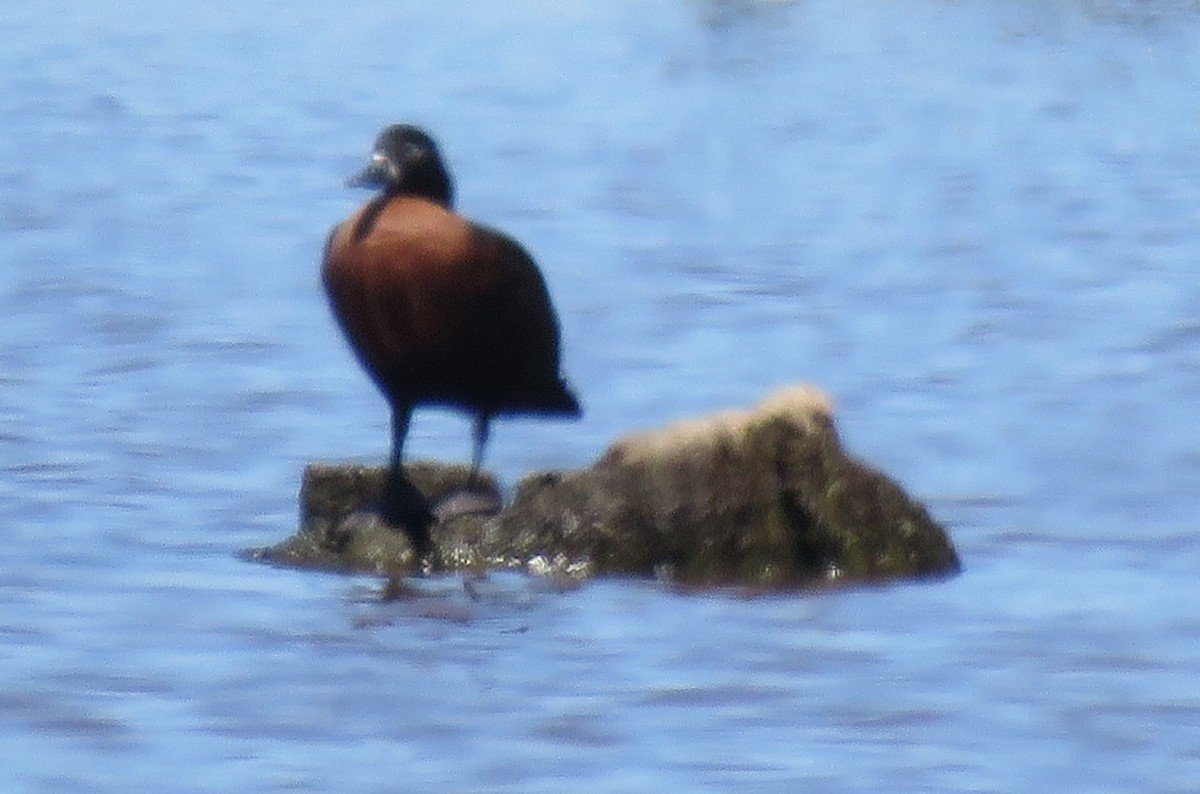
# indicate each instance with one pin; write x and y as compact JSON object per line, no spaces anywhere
{"x":764,"y":497}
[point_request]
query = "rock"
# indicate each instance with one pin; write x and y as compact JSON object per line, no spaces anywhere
{"x":762,"y":497}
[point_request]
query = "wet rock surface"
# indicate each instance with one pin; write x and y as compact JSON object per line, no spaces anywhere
{"x":761,"y":497}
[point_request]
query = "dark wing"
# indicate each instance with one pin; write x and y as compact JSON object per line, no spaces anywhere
{"x":520,"y":333}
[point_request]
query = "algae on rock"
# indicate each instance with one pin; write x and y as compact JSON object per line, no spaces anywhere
{"x":762,"y":497}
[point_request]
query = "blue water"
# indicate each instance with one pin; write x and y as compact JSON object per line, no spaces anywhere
{"x":974,"y":224}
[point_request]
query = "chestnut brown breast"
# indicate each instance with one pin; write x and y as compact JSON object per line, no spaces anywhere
{"x":443,"y":311}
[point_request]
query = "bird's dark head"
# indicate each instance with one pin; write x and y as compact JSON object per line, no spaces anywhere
{"x":406,"y":161}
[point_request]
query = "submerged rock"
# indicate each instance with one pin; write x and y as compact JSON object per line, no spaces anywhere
{"x":765,"y":496}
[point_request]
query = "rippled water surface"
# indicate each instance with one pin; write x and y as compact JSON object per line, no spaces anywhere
{"x":974,"y":224}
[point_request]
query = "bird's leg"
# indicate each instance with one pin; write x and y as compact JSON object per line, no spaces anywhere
{"x":472,"y":498}
{"x":479,"y":435}
{"x":401,"y":415}
{"x":403,"y":505}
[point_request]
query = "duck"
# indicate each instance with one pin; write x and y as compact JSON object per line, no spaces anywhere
{"x":440,"y":311}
